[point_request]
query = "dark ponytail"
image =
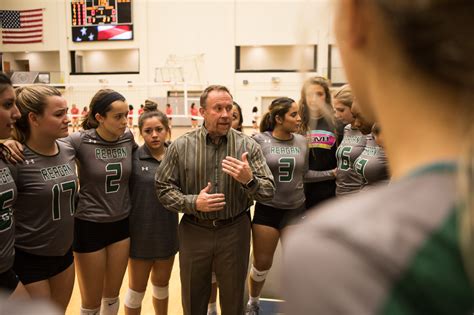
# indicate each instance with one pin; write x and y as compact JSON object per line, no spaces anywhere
{"x":279,"y":107}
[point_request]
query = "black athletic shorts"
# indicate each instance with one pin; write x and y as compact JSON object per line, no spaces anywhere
{"x":92,"y":236}
{"x":8,"y":281}
{"x":277,"y":218}
{"x":33,"y":268}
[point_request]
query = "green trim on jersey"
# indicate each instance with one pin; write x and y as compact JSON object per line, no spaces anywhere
{"x":436,"y":268}
{"x":438,"y":167}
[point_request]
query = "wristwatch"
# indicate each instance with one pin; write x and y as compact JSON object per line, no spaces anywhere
{"x":252,"y":182}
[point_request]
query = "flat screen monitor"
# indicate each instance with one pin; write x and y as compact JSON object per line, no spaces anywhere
{"x":101,"y":20}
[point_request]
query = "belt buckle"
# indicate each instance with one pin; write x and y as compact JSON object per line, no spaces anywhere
{"x":214,"y":222}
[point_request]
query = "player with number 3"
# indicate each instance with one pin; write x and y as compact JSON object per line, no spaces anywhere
{"x":286,"y":154}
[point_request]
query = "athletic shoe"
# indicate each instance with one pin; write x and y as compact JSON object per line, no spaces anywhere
{"x":252,"y":309}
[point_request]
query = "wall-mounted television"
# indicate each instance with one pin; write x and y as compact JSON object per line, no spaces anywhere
{"x":101,"y":20}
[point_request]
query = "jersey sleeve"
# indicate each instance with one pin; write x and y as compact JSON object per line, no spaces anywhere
{"x":312,"y":176}
{"x":319,"y":267}
{"x":73,"y":141}
{"x":264,"y":190}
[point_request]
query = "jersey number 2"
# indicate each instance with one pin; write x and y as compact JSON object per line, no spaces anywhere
{"x":112,"y":179}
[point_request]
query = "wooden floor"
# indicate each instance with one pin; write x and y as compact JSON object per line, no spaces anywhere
{"x":174,"y":285}
{"x":147,"y":307}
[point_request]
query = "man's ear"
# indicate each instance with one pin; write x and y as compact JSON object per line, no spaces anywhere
{"x":202,"y":110}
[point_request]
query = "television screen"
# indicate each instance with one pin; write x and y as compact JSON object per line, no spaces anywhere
{"x":101,"y":20}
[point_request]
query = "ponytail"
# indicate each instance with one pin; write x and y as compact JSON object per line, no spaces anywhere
{"x":266,"y":124}
{"x":279,"y":107}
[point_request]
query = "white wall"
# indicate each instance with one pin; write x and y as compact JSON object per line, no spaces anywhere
{"x":121,"y":60}
{"x":187,"y":28}
{"x":286,"y":57}
{"x":38,"y":61}
{"x":193,"y":28}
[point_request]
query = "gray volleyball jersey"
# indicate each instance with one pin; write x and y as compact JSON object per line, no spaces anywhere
{"x":372,"y":163}
{"x":393,"y":250}
{"x":47,"y":187}
{"x":347,"y":179}
{"x":104,"y":169}
{"x":8,"y":195}
{"x":287,"y":161}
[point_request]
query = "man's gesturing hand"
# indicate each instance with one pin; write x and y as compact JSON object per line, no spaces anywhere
{"x":239,"y":170}
{"x":207,"y":202}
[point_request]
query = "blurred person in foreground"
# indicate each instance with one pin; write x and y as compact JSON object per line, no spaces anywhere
{"x":405,"y":248}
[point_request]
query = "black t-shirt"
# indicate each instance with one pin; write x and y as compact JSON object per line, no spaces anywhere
{"x":323,"y":139}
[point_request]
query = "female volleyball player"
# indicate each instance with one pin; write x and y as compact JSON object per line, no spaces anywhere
{"x":153,"y":229}
{"x":407,"y":247}
{"x":47,"y":186}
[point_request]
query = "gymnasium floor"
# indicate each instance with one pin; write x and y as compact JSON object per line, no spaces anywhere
{"x":174,"y":285}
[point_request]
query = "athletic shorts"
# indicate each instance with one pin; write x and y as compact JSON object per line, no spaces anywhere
{"x":92,"y":236}
{"x":33,"y":268}
{"x":277,"y":218}
{"x":8,"y":281}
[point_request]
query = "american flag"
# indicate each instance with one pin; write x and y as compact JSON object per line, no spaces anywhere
{"x":102,"y":32}
{"x":21,"y":26}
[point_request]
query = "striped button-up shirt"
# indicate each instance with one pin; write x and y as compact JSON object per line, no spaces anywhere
{"x":193,"y":160}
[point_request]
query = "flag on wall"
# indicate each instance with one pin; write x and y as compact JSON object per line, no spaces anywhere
{"x":115,"y":32}
{"x":102,"y":33}
{"x":21,"y":26}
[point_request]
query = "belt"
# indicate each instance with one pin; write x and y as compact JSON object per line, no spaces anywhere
{"x":214,"y":223}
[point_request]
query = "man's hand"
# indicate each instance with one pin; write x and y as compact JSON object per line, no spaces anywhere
{"x":207,"y":202}
{"x":239,"y":170}
{"x":16,"y":151}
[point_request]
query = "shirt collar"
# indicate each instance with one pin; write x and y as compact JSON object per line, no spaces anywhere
{"x":205,"y":133}
{"x":144,"y":153}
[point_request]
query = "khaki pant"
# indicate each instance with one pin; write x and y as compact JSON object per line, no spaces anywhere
{"x":228,"y":247}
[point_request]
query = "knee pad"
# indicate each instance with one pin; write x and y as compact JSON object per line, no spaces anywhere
{"x":87,"y":311}
{"x":257,"y":275}
{"x":213,"y":278}
{"x":109,"y":306}
{"x":160,"y":293}
{"x":133,"y":299}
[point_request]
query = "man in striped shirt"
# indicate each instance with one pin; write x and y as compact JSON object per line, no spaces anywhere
{"x":213,"y":174}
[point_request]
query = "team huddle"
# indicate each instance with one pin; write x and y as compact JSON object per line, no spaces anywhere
{"x":121,"y":206}
{"x":91,"y":203}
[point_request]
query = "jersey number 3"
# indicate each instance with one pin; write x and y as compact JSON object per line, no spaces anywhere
{"x":112,"y":179}
{"x":286,"y":167}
